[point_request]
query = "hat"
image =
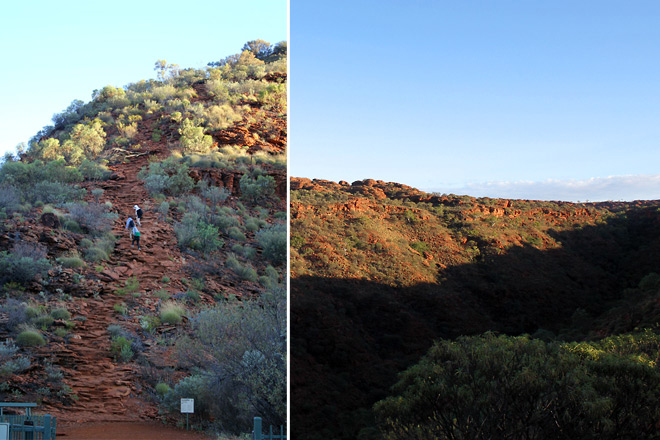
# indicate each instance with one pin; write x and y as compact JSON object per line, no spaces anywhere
{"x":136,"y":207}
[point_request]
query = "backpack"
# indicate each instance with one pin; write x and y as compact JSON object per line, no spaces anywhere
{"x":131,"y":223}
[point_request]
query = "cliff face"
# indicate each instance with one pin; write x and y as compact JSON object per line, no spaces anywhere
{"x":379,"y":270}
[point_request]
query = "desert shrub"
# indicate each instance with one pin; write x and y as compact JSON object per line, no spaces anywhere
{"x":470,"y":387}
{"x":16,"y":313}
{"x":215,"y":195}
{"x":10,"y":198}
{"x":196,"y":387}
{"x":120,"y":348}
{"x":24,"y":263}
{"x":235,"y":233}
{"x":172,"y":312}
{"x":245,"y":272}
{"x":60,"y":313}
{"x":12,"y":366}
{"x":71,"y":262}
{"x":419,"y":246}
{"x":131,"y":285}
{"x":86,"y":141}
{"x":218,"y":89}
{"x":53,"y":192}
{"x":93,"y":218}
{"x":196,"y":234}
{"x":257,"y":188}
{"x":167,"y":176}
{"x":254,"y":224}
{"x":96,"y":254}
{"x":273,"y":242}
{"x":220,"y":117}
{"x":93,"y":171}
{"x":30,"y":338}
{"x":162,"y":389}
{"x":97,"y":193}
{"x":43,"y":321}
{"x":193,"y":140}
{"x":224,"y":220}
{"x":238,"y":350}
{"x":7,"y":350}
{"x":86,"y":243}
{"x":274,"y":97}
{"x":163,"y":93}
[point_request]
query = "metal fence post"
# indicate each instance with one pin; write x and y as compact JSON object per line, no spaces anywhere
{"x":257,"y":429}
{"x":47,"y":432}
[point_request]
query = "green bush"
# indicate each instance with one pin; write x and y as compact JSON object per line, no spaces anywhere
{"x":43,"y":321}
{"x":256,"y":189}
{"x":30,"y":338}
{"x":24,"y":263}
{"x":516,"y":387}
{"x":273,"y":242}
{"x":193,"y":140}
{"x":96,"y":254}
{"x":61,"y":313}
{"x":162,"y":389}
{"x":171,"y":313}
{"x":236,"y":233}
{"x":93,"y":171}
{"x":71,"y":262}
{"x":169,"y":176}
{"x":120,"y":348}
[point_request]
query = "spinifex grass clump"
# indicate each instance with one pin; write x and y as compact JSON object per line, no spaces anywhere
{"x":172,"y":312}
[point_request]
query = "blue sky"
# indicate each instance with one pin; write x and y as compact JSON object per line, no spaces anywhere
{"x":521,"y":99}
{"x":55,"y":52}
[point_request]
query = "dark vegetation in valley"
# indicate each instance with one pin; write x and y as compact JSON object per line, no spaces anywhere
{"x":511,"y":319}
{"x":94,"y":329}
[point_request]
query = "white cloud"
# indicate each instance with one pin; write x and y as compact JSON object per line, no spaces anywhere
{"x":595,"y":189}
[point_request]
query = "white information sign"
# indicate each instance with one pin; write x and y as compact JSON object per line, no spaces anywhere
{"x":4,"y":431}
{"x":187,"y":406}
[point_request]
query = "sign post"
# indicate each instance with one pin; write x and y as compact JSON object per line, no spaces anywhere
{"x":187,"y":407}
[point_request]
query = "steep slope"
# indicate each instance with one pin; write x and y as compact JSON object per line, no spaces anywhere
{"x":107,"y":320}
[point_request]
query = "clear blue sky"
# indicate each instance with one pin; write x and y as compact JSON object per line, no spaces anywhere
{"x":56,"y":51}
{"x":534,"y":99}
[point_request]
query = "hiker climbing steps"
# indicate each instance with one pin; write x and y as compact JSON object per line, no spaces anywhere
{"x":104,"y":387}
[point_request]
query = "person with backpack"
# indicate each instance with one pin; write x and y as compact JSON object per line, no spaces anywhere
{"x":136,"y":237}
{"x":130,"y":224}
{"x":138,"y":214}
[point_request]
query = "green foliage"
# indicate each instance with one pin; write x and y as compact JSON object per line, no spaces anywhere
{"x":194,"y":233}
{"x":274,"y":97}
{"x":162,"y":389}
{"x":93,"y":218}
{"x":30,"y":338}
{"x":471,"y":388}
{"x":169,"y":176}
{"x":172,"y":312}
{"x":241,"y":353}
{"x":245,"y":272}
{"x":60,"y":313}
{"x":255,"y":189}
{"x":273,"y":242}
{"x":93,"y":171}
{"x":24,"y":263}
{"x":120,"y":348}
{"x":71,"y":262}
{"x":131,"y":285}
{"x":193,"y":140}
{"x":260,"y":49}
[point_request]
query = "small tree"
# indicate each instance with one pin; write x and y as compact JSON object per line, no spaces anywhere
{"x":193,"y":140}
